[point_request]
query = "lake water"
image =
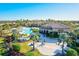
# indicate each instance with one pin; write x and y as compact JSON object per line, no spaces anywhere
{"x":28,"y":30}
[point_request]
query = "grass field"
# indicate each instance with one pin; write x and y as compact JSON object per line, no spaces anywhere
{"x":1,"y":40}
{"x":26,"y":50}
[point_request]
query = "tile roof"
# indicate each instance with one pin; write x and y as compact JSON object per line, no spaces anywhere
{"x":56,"y":25}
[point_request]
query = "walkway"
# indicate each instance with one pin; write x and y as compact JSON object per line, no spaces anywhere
{"x":50,"y":48}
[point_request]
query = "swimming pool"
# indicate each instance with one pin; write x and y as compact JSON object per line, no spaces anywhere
{"x":25,"y":30}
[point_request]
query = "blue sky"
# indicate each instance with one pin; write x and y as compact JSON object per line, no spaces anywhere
{"x":15,"y":11}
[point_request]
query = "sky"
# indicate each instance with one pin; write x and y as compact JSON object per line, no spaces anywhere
{"x":57,"y":11}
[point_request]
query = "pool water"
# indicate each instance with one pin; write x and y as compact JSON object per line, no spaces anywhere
{"x":25,"y":30}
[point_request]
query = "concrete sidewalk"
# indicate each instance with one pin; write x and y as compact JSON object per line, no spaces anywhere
{"x":48,"y":49}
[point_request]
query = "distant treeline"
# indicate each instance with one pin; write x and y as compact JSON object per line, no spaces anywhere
{"x":27,"y":22}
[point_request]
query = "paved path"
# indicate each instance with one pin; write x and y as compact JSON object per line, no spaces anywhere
{"x":48,"y":49}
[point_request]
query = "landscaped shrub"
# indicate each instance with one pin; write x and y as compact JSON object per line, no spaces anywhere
{"x":16,"y":47}
{"x":73,"y":45}
{"x":29,"y":54}
{"x":47,"y":34}
{"x":55,"y":35}
{"x":52,"y":35}
{"x":77,"y":44}
{"x":71,"y":52}
{"x":33,"y":53}
{"x":35,"y":30}
{"x":77,"y":49}
{"x":3,"y":52}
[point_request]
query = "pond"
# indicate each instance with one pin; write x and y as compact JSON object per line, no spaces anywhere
{"x":43,"y":37}
{"x":28,"y":30}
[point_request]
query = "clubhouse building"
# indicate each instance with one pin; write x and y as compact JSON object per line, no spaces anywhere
{"x":54,"y":27}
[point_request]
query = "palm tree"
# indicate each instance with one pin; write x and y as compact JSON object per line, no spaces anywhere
{"x":15,"y":34}
{"x":34,"y":38}
{"x":63,"y":37}
{"x":76,"y":33}
{"x":8,"y":42}
{"x":73,"y":37}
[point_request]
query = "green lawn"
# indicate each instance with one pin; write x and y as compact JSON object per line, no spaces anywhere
{"x":26,"y":50}
{"x":33,"y":53}
{"x":1,"y":40}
